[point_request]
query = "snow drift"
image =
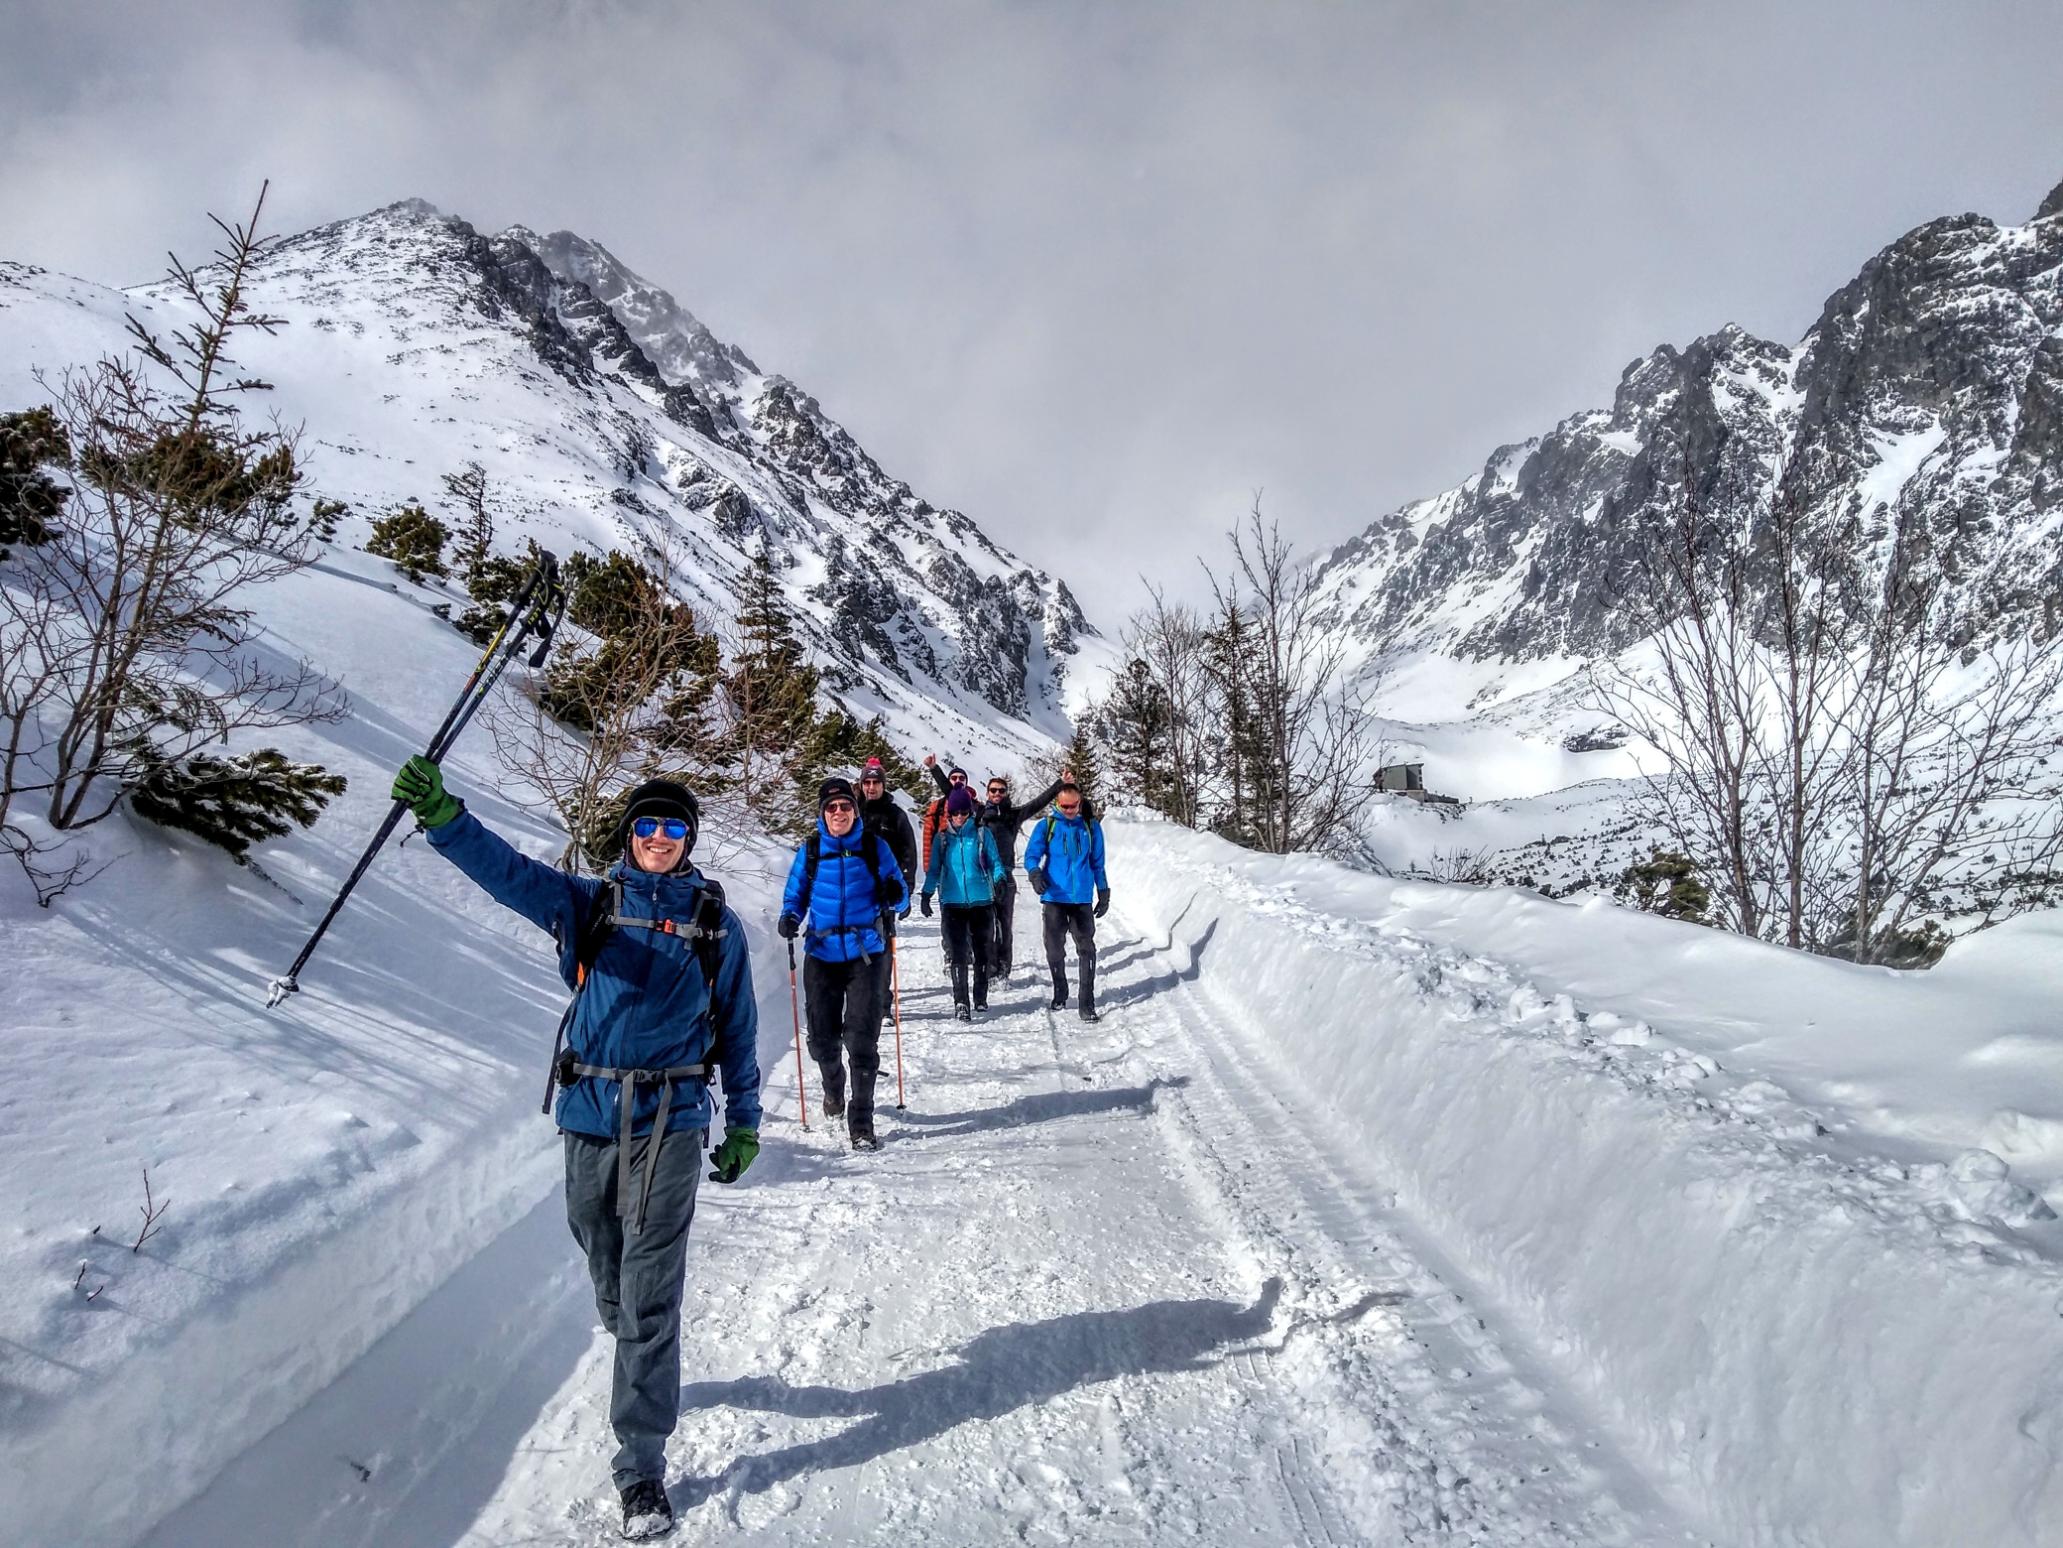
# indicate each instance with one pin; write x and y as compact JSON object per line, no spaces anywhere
{"x":1813,"y":1325}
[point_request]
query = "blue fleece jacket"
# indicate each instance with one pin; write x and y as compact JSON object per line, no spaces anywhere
{"x":646,"y":1004}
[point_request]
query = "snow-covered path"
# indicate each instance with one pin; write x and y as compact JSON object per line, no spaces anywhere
{"x":1100,"y":1285}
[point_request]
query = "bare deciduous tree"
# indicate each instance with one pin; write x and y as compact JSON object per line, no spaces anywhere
{"x":1315,"y":738}
{"x":125,"y":637}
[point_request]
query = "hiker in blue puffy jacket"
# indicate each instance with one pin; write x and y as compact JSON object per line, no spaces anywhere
{"x":843,"y":880}
{"x":1064,"y":863}
{"x":665,"y":999}
{"x":965,"y":872}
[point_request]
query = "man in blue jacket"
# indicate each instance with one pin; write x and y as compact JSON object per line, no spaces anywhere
{"x":1064,"y":863}
{"x":662,"y":985}
{"x":965,"y":871}
{"x":843,"y":879}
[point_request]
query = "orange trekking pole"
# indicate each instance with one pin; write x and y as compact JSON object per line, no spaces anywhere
{"x":795,"y":1006}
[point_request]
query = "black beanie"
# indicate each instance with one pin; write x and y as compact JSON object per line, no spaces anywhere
{"x":660,"y":798}
{"x":834,"y":789}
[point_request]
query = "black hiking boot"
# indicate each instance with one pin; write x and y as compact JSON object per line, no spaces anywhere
{"x":981,"y":1007}
{"x":646,"y":1513}
{"x":1089,"y":1013}
{"x":1059,"y":995}
{"x":961,"y":1013}
{"x":860,"y":1127}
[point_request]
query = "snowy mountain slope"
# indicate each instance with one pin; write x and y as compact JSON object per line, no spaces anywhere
{"x":1925,"y":406}
{"x":414,"y":345}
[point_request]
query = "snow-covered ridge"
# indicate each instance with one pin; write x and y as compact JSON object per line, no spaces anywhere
{"x":606,"y":415}
{"x":1756,"y":1207}
{"x":1926,"y":403}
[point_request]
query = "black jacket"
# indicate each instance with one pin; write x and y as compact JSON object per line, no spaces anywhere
{"x":893,"y":824}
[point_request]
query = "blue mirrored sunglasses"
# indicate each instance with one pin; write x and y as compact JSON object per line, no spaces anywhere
{"x":672,"y":827}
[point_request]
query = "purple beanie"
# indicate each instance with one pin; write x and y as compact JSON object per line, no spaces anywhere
{"x":959,"y":802}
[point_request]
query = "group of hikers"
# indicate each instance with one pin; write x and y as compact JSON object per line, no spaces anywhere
{"x":662,"y":999}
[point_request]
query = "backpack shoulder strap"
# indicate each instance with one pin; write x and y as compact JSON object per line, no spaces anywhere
{"x":812,"y":857}
{"x":709,"y":911}
{"x":594,"y":929}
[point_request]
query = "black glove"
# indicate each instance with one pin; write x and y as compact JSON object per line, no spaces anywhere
{"x":1102,"y":901}
{"x":789,"y":927}
{"x":1038,"y":881}
{"x":925,"y":904}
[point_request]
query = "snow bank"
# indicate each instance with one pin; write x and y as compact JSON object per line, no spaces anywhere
{"x":1808,"y":1337}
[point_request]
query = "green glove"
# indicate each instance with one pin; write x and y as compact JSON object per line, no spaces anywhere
{"x":734,"y":1154}
{"x":421,"y":784}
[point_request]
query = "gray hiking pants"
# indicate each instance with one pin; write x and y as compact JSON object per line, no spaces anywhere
{"x":638,"y":1278}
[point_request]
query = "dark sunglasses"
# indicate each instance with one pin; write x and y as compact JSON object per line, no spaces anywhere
{"x":870,"y":779}
{"x":672,"y":827}
{"x":999,"y":788}
{"x":1065,"y":810}
{"x":838,"y":806}
{"x":957,"y":779}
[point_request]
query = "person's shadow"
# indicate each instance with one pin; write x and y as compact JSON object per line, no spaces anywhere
{"x":1003,"y":1369}
{"x":1042,"y":1107}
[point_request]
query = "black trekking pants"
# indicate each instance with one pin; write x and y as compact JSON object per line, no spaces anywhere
{"x":966,"y":928}
{"x":842,"y":1001}
{"x":638,"y":1279}
{"x":1079,"y":921}
{"x":1002,"y":956}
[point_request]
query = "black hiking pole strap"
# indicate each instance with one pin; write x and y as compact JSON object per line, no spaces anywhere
{"x":525,"y":617}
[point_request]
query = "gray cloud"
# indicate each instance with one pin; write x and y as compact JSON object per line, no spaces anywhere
{"x":1092,"y":272}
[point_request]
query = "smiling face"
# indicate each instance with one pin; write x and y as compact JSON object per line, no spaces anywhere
{"x":658,"y":844}
{"x":839,"y":816}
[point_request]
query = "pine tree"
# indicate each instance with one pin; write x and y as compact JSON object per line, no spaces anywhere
{"x":1137,"y":724}
{"x":30,"y":500}
{"x":773,"y":692}
{"x":413,"y":539}
{"x":468,"y":492}
{"x":233,"y":802}
{"x":1085,"y":758}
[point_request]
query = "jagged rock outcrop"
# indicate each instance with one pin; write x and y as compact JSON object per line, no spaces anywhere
{"x":1924,"y":408}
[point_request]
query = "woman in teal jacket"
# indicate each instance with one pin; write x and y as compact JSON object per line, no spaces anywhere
{"x":965,"y":872}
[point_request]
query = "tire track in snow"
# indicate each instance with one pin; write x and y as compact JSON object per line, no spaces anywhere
{"x":1475,"y":1450}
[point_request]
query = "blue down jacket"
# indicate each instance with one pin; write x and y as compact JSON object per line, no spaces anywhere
{"x":844,"y":917}
{"x":646,"y":1005}
{"x":1070,"y":851}
{"x":964,"y":866}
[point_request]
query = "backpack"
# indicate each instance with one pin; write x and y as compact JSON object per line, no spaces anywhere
{"x":704,"y":930}
{"x":934,"y":822}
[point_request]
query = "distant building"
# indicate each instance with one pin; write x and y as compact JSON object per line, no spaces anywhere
{"x":1404,"y":778}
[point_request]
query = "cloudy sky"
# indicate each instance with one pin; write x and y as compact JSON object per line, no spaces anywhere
{"x":1095,"y":273}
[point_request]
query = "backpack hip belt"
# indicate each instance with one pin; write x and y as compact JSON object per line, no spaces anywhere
{"x":570,"y":1069}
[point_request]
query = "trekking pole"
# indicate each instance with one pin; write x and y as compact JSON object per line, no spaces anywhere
{"x":532,"y":612}
{"x":895,"y":979}
{"x":795,"y":1007}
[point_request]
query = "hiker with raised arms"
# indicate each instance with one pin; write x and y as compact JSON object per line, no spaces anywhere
{"x":844,"y":877}
{"x":965,"y":872}
{"x":1064,"y":863}
{"x":662,"y":999}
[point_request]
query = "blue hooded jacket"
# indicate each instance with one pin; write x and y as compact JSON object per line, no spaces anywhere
{"x":646,"y":1004}
{"x":965,"y":866}
{"x":1070,"y":851}
{"x":844,"y":918}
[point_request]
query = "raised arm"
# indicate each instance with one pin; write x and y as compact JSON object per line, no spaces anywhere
{"x":542,"y":894}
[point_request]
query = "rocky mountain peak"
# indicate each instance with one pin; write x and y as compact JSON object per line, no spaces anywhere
{"x":2051,"y":206}
{"x":1925,"y":405}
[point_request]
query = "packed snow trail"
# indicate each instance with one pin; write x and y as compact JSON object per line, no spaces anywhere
{"x":1099,"y":1285}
